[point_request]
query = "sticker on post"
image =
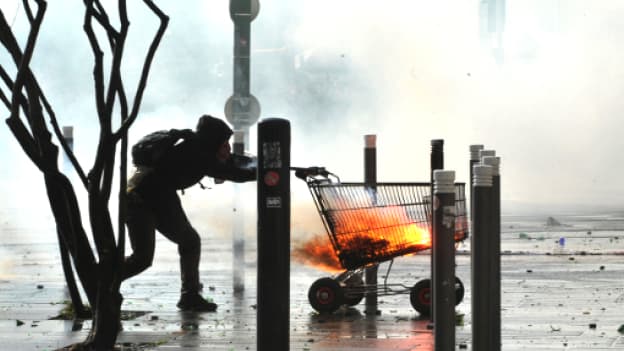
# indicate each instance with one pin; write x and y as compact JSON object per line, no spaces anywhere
{"x":448,"y":216}
{"x":272,"y":154}
{"x":274,"y":202}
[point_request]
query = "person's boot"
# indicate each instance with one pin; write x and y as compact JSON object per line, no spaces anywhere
{"x":195,"y":302}
{"x":190,"y":299}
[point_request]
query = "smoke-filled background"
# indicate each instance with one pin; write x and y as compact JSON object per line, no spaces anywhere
{"x":540,"y":82}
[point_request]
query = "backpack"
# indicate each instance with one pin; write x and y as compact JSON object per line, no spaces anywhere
{"x":150,"y":149}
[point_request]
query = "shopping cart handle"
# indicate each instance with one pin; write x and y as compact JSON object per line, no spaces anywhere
{"x":304,"y":173}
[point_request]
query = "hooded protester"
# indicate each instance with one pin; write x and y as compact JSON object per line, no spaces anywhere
{"x":153,"y":204}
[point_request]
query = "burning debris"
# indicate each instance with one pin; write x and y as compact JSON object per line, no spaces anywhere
{"x":363,"y":236}
{"x":317,"y":252}
{"x":368,"y":235}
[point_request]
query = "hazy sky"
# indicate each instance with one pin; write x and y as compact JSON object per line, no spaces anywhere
{"x":409,"y":71}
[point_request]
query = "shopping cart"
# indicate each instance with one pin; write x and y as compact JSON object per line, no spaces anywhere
{"x":370,"y":224}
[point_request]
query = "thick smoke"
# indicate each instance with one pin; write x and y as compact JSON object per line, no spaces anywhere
{"x":408,"y":71}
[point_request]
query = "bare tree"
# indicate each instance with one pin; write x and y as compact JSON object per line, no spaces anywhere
{"x":30,"y":120}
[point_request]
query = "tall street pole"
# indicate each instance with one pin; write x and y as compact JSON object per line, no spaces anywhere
{"x":242,"y":110}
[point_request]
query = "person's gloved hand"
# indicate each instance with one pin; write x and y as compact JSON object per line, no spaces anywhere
{"x":303,"y":173}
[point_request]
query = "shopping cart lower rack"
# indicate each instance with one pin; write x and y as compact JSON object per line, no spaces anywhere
{"x":370,"y":224}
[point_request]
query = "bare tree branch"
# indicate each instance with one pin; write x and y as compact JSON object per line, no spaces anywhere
{"x":10,"y":42}
{"x":102,"y":17}
{"x":164,"y":20}
{"x":25,"y":59}
{"x":61,"y":139}
{"x":101,"y":279}
{"x":14,"y":122}
{"x":28,"y":11}
{"x":98,"y":70}
{"x":5,"y":99}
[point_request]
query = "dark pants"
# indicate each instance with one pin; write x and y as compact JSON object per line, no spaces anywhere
{"x":167,"y":216}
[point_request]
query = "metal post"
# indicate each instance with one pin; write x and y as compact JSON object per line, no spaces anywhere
{"x":273,"y":306}
{"x":370,"y":180}
{"x":238,"y":235}
{"x":443,"y":253}
{"x":437,"y":162}
{"x":242,"y":109}
{"x":480,"y":261}
{"x":495,"y":252}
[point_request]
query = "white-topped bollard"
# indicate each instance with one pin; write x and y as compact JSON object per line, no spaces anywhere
{"x":480,"y":257}
{"x":443,"y":253}
{"x":495,"y":252}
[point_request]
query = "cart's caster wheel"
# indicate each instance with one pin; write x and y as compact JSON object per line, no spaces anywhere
{"x":459,"y":291}
{"x":420,"y":297}
{"x":352,"y":298}
{"x":325,"y":295}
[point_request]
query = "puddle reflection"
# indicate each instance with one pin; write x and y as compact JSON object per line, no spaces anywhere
{"x":346,"y":323}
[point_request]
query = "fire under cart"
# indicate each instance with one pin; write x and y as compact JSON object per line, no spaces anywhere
{"x":370,"y":224}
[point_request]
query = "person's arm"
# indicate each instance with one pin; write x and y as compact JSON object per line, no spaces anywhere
{"x":237,"y":168}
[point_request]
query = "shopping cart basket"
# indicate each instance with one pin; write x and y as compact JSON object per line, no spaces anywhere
{"x":370,"y":224}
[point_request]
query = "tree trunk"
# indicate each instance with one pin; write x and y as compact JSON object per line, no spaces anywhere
{"x":106,"y":321}
{"x":66,"y":213}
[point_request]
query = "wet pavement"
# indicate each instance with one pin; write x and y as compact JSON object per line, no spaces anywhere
{"x":555,"y":297}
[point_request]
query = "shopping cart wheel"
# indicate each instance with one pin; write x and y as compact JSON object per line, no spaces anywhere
{"x":353,"y":297}
{"x":420,"y":295}
{"x":325,"y":295}
{"x":459,"y":291}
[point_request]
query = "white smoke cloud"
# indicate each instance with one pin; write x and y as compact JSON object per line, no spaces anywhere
{"x":408,"y":71}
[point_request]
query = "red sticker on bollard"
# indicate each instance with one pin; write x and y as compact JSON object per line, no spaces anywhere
{"x":271,"y":178}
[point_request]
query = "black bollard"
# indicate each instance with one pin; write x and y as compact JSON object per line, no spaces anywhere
{"x":443,"y":252}
{"x":273,"y":306}
{"x":480,"y":260}
{"x":495,"y":252}
{"x":370,"y":180}
{"x":437,"y":162}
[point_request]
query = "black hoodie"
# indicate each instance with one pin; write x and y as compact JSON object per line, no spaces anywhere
{"x":191,"y":160}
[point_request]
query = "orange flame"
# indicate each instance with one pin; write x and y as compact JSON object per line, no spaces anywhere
{"x":317,"y":252}
{"x":365,"y":235}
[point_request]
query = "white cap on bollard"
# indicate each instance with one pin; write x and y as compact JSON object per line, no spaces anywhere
{"x":486,"y":153}
{"x":443,"y":181}
{"x":474,"y":151}
{"x":482,"y":175}
{"x":493,"y":161}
